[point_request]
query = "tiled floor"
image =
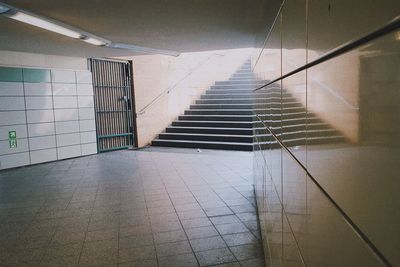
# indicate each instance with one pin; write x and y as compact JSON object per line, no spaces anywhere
{"x":151,"y":207}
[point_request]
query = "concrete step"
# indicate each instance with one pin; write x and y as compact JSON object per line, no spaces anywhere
{"x":204,"y":144}
{"x":217,"y":124}
{"x":241,"y":82}
{"x":209,"y":130}
{"x":258,"y":100}
{"x":207,"y":137}
{"x":219,"y":112}
{"x":242,"y":96}
{"x":246,"y":106}
{"x":218,"y":117}
{"x":229,"y":91}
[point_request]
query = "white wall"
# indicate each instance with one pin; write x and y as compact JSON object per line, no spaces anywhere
{"x":49,"y":105}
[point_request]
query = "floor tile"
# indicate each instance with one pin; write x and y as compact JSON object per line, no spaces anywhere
{"x":224,"y":219}
{"x":215,"y":256}
{"x":231,"y":228}
{"x":183,"y":260}
{"x":201,"y":232}
{"x":168,"y":237}
{"x":176,"y":248}
{"x":137,"y":254}
{"x":208,"y":243}
{"x":131,"y":208}
{"x":239,"y":239}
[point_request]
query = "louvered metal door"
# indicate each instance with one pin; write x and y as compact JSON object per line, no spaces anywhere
{"x":112,"y":85}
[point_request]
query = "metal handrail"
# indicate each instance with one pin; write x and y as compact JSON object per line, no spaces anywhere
{"x":346,"y":47}
{"x":171,"y":88}
{"x":346,"y":217}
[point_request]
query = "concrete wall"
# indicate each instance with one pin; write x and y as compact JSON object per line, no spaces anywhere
{"x":48,"y":102}
{"x":175,"y":83}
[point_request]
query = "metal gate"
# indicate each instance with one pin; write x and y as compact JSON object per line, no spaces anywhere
{"x":114,"y":104}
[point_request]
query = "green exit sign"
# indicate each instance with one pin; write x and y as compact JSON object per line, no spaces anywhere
{"x":12,"y":139}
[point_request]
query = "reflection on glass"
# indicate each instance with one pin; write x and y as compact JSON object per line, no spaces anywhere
{"x":340,"y":120}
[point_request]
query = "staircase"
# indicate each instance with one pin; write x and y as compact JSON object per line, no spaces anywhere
{"x":225,"y":118}
{"x":222,"y":118}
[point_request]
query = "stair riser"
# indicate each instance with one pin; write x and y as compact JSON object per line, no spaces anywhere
{"x":243,"y":96}
{"x":244,"y":106}
{"x":216,"y":118}
{"x":241,"y":91}
{"x":218,"y":112}
{"x":228,"y":106}
{"x":210,"y":131}
{"x":245,"y":86}
{"x":247,"y":79}
{"x":204,"y":146}
{"x":252,"y":82}
{"x":229,"y":91}
{"x":245,"y":101}
{"x":241,"y":75}
{"x":207,"y":138}
{"x":213,"y":124}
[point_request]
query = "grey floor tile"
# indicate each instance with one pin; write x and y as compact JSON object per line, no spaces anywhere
{"x":239,"y":239}
{"x":166,"y":226}
{"x":107,"y":210}
{"x":219,"y":211}
{"x":208,"y":243}
{"x":224,"y":219}
{"x":191,"y":214}
{"x":193,"y":223}
{"x":137,"y":254}
{"x":135,"y":241}
{"x":201,"y":232}
{"x":99,"y":235}
{"x":140,"y":263}
{"x":231,"y":228}
{"x":176,"y":248}
{"x":215,"y":256}
{"x":182,"y":260}
{"x":168,"y":237}
{"x":135,"y":230}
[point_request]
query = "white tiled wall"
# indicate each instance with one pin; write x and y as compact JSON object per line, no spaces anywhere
{"x":53,"y":119}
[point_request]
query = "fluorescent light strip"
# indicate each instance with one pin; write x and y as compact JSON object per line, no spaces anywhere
{"x":41,"y":23}
{"x":94,"y":41}
{"x":61,"y":28}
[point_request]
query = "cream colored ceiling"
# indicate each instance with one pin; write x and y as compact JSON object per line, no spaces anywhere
{"x":178,"y":25}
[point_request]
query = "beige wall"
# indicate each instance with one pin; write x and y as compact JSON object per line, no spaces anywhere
{"x":175,"y":83}
{"x":10,"y":58}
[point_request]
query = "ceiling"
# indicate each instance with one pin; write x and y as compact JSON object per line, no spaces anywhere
{"x":177,"y":25}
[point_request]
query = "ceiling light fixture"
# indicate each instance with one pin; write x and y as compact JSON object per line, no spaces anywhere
{"x":95,"y":41}
{"x":44,"y":24}
{"x":61,"y":28}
